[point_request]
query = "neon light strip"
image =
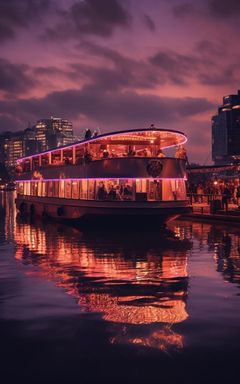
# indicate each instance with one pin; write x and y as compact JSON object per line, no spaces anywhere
{"x":103,"y":178}
{"x":103,"y":137}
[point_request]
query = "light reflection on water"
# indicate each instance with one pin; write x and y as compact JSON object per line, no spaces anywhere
{"x":129,"y":280}
{"x":168,"y":291}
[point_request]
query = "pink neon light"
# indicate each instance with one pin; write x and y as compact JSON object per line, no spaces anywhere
{"x":103,"y":136}
{"x":102,"y":178}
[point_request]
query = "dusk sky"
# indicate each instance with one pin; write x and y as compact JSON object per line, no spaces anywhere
{"x":118,"y":64}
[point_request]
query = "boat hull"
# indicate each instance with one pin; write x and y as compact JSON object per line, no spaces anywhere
{"x":91,"y":210}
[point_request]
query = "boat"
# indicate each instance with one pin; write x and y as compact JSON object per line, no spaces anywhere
{"x":117,"y":175}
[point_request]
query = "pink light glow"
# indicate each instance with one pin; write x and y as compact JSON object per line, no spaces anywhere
{"x":101,"y":178}
{"x":177,"y":133}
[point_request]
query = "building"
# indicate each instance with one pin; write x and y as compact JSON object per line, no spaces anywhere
{"x":3,"y":146}
{"x":30,"y":144}
{"x":53,"y":132}
{"x":44,"y":135}
{"x":11,"y":147}
{"x":226,"y":131}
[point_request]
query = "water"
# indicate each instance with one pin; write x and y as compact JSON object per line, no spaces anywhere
{"x":118,"y":306}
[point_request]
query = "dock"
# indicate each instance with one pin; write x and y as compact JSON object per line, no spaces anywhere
{"x":204,"y":211}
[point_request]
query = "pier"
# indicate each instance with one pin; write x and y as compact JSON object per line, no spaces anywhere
{"x":209,"y":207}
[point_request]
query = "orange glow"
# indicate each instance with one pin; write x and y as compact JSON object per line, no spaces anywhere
{"x":111,"y":270}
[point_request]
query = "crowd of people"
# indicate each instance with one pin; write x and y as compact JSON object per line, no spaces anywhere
{"x":114,"y":192}
{"x":227,"y":192}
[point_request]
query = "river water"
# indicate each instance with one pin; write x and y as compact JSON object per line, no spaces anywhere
{"x":119,"y":306}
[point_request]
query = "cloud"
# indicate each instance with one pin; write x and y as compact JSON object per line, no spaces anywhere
{"x":184,"y":10}
{"x":17,"y":14}
{"x":224,"y":9}
{"x":90,"y":17}
{"x":219,"y":78}
{"x":14,"y":78}
{"x":176,"y":66}
{"x":201,"y":66}
{"x":214,"y":9}
{"x":149,"y":23}
{"x":109,"y":108}
{"x":10,"y":123}
{"x":210,"y":48}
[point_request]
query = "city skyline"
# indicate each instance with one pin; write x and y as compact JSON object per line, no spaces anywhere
{"x":119,"y":64}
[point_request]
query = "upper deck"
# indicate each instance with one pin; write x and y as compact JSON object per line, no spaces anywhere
{"x":121,"y":144}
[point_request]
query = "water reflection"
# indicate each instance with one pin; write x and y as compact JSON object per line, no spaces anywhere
{"x":136,"y":284}
{"x":223,"y":243}
{"x":129,"y":279}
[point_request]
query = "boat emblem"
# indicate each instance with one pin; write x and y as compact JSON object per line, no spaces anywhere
{"x":154,"y":168}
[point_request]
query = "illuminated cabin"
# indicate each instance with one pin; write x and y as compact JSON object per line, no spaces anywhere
{"x":123,"y":174}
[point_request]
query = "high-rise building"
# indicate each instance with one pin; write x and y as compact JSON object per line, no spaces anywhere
{"x":226,"y":131}
{"x":13,"y":148}
{"x":30,"y":144}
{"x":45,"y":134}
{"x":3,"y":146}
{"x":53,"y":132}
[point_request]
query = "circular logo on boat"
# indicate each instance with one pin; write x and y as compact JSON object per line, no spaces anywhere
{"x":154,"y":168}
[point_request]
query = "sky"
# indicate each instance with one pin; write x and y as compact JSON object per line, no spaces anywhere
{"x":116,"y":64}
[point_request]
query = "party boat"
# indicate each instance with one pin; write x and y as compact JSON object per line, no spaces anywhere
{"x":116,"y":175}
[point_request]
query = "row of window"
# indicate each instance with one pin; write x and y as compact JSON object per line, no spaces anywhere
{"x":82,"y":154}
{"x":111,"y":189}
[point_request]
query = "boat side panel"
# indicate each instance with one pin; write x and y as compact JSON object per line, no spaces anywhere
{"x":113,"y":168}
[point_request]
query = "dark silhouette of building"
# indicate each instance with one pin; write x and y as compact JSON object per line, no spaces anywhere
{"x":226,"y":131}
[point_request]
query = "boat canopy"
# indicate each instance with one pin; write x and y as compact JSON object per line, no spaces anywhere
{"x":163,"y":138}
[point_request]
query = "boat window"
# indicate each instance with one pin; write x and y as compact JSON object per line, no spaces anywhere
{"x":75,"y":189}
{"x":179,"y":189}
{"x":141,"y":189}
{"x":68,"y":189}
{"x":167,"y":190}
{"x":56,"y":158}
{"x":44,"y":188}
{"x":39,"y":188}
{"x":34,"y":186}
{"x":61,"y":188}
{"x":83,"y":189}
{"x":68,"y":156}
{"x":126,"y":189}
{"x":79,"y":154}
{"x":45,"y":160}
{"x":101,"y":191}
{"x":35,"y":162}
{"x":50,"y":188}
{"x":26,"y":165}
{"x":26,"y":188}
{"x":155,"y":190}
{"x":91,"y":189}
{"x":55,"y":188}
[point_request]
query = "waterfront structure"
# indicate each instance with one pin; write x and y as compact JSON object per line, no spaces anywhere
{"x":115,"y":174}
{"x":226,"y":131}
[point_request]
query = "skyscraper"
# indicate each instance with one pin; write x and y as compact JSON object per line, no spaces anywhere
{"x":45,"y":134}
{"x":53,"y":132}
{"x":13,"y":147}
{"x":226,"y":131}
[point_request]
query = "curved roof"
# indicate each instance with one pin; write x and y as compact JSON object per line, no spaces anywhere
{"x":165,"y":138}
